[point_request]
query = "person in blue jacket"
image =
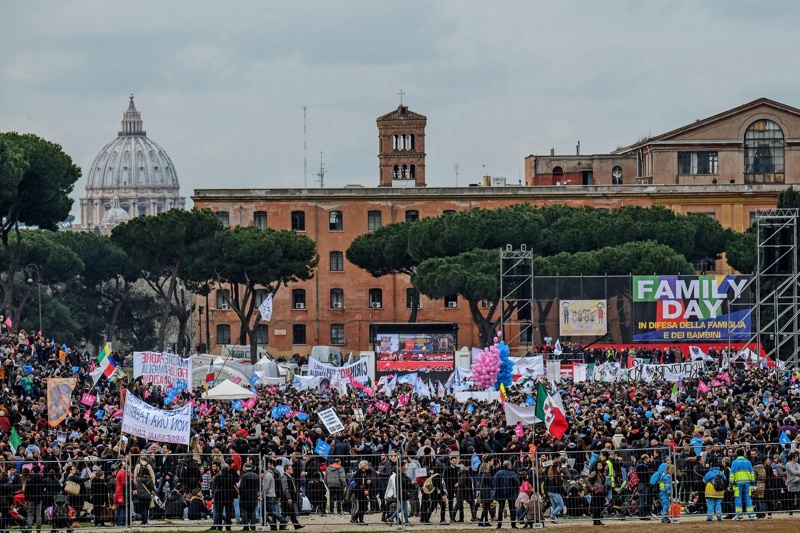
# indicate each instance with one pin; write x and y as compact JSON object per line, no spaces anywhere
{"x":506,"y":488}
{"x":713,"y":496}
{"x":742,"y":479}
{"x":665,"y":490}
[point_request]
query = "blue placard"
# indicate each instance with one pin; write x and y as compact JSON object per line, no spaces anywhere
{"x":322,"y":448}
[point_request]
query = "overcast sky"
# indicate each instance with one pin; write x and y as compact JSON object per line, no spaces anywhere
{"x":222,"y":85}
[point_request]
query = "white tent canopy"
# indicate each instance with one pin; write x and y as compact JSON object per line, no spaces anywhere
{"x":228,"y":390}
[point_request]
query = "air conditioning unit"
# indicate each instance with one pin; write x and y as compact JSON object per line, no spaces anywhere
{"x":224,"y":307}
{"x":375,"y":305}
{"x":452,"y":304}
{"x":299,"y":305}
{"x":337,"y":305}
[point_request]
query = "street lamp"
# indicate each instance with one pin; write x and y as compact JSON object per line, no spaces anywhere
{"x":200,"y":337}
{"x":30,"y":269}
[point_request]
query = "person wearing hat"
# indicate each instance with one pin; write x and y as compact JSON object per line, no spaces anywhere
{"x":249,"y":485}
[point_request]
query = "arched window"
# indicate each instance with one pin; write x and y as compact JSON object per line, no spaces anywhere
{"x":394,"y":142}
{"x":396,"y":172}
{"x":616,"y":175}
{"x":404,"y":172}
{"x":411,"y":142}
{"x":412,"y":172}
{"x":558,"y":175}
{"x":763,"y":151}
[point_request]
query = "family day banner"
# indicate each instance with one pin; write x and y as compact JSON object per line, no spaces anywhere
{"x":154,"y":424}
{"x":358,"y":370}
{"x":583,"y":318}
{"x":691,"y":308}
{"x":164,"y":369}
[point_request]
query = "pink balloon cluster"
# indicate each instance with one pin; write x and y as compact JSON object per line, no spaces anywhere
{"x":487,"y":365}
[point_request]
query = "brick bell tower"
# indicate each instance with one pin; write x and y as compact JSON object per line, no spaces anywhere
{"x":401,"y":148}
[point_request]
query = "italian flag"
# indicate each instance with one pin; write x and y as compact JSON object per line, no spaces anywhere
{"x":551,"y":411}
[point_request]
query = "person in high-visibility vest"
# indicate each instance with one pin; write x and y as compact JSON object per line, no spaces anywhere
{"x":742,"y":479}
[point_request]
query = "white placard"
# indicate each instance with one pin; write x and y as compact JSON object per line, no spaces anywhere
{"x":331,"y":420}
{"x":359,"y":370}
{"x":154,"y":424}
{"x":163,"y":369}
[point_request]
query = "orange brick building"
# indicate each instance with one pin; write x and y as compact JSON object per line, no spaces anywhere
{"x":339,"y":304}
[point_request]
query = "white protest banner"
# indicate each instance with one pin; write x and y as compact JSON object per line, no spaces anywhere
{"x":154,"y":424}
{"x":529,"y":366}
{"x":165,"y":369}
{"x":697,"y":353}
{"x":358,"y":370}
{"x":520,"y":413}
{"x":331,"y":420}
{"x":659,"y":372}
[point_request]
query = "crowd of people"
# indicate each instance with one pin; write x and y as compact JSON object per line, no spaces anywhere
{"x":632,"y":450}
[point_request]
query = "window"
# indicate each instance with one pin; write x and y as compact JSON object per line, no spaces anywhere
{"x":558,"y":172}
{"x":337,"y":298}
{"x":690,"y":163}
{"x":335,"y":221}
{"x":224,"y":218}
{"x":396,"y":172}
{"x":763,"y":148}
{"x":223,"y":334}
{"x":375,"y":298}
{"x":410,"y":292}
{"x":298,"y":220}
{"x":260,"y":219}
{"x":337,"y":261}
{"x":412,"y":172}
{"x":298,"y":299}
{"x":298,"y":333}
{"x":142,"y":210}
{"x":616,"y":175}
{"x":373,"y":220}
{"x":223,"y":298}
{"x":486,"y":304}
{"x":259,"y":296}
{"x":449,"y":212}
{"x":262,"y":334}
{"x":412,"y":215}
{"x":450,"y":301}
{"x":337,"y":333}
{"x":705,"y":265}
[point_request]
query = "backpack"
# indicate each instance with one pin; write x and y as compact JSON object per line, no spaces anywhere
{"x":655,"y":479}
{"x":633,"y":479}
{"x":719,"y":482}
{"x":428,"y":487}
{"x":181,"y":468}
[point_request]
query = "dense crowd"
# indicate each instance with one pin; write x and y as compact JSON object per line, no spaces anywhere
{"x":632,"y":450}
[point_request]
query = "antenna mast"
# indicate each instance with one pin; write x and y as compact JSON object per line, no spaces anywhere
{"x":321,"y":173}
{"x":456,"y":168}
{"x":305,"y":150}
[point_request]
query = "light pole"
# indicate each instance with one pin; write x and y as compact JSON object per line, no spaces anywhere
{"x":200,"y":337}
{"x":30,"y":269}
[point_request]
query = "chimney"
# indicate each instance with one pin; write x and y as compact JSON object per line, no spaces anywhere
{"x":552,"y":151}
{"x":578,"y":149}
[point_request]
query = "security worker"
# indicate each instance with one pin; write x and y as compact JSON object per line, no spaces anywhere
{"x":742,"y":479}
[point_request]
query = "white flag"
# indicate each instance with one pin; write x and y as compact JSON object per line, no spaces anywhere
{"x":557,"y":348}
{"x":698,"y":353}
{"x":266,"y":308}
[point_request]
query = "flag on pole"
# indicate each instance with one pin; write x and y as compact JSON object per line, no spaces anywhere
{"x":702,"y":387}
{"x":105,"y":352}
{"x":557,"y":348}
{"x":210,"y":375}
{"x":551,"y":410}
{"x":502,"y":393}
{"x":14,"y":440}
{"x":674,"y":395}
{"x":266,"y":308}
{"x":440,"y":390}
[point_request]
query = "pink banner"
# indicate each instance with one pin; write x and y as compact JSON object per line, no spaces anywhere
{"x":724,"y":377}
{"x":518,"y":430}
{"x":382,"y":406}
{"x":237,"y":380}
{"x":117,"y":414}
{"x":250,"y":403}
{"x":403,"y":400}
{"x":88,"y":399}
{"x":716,"y":383}
{"x":702,"y":387}
{"x":370,"y":391}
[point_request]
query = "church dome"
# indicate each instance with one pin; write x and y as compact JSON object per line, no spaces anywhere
{"x":115,"y":215}
{"x":132,"y":160}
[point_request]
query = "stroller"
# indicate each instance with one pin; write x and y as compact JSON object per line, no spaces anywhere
{"x":317,"y":496}
{"x":62,"y":515}
{"x":625,"y":501}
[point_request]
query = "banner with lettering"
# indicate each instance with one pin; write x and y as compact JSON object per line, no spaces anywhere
{"x":684,"y":309}
{"x":154,"y":424}
{"x":359,"y":370}
{"x":165,"y":369}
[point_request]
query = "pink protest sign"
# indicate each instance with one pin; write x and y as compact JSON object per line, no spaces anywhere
{"x":88,"y":399}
